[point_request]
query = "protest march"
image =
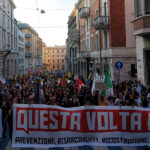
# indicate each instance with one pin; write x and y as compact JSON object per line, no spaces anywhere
{"x":56,"y":110}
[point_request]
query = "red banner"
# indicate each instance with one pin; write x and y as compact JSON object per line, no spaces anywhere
{"x":83,"y":120}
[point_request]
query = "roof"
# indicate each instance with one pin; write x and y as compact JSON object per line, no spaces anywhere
{"x":26,"y":26}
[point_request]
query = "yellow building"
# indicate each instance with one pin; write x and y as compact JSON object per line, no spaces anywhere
{"x":33,"y":48}
{"x":54,"y":58}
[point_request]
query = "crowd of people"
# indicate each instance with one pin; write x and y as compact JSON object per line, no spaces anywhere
{"x":49,"y":90}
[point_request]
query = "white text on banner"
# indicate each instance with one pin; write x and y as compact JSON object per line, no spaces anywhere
{"x":53,"y":126}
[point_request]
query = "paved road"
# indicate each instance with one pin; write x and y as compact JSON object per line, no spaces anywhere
{"x":6,"y":145}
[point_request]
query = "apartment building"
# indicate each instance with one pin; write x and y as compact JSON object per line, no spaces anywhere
{"x":39,"y":51}
{"x":33,"y":48}
{"x":106,"y":36}
{"x":67,"y":57}
{"x":142,"y":33}
{"x":21,"y":48}
{"x":54,"y":58}
{"x":73,"y":41}
{"x":9,"y":54}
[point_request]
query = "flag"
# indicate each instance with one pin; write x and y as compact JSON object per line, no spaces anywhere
{"x":69,"y":75}
{"x":29,"y":72}
{"x":63,"y":81}
{"x":90,"y":75}
{"x":109,"y":87}
{"x":79,"y":84}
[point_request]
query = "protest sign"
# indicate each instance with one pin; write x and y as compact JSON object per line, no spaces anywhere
{"x":0,"y":123}
{"x":53,"y":126}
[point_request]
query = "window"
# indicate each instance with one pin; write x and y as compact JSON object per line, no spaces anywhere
{"x":96,"y":13}
{"x":58,"y":60}
{"x":53,"y":61}
{"x":3,"y":22}
{"x":81,"y":45}
{"x":84,"y":45}
{"x":87,"y":44}
{"x":62,"y":55}
{"x":58,"y":67}
{"x":63,"y":67}
{"x":62,"y":51}
{"x":87,"y":25}
{"x":86,"y":3}
{"x":91,"y":3}
{"x":91,"y":21}
{"x":138,"y":7}
{"x":4,"y":3}
{"x":3,"y":38}
{"x":62,"y":60}
{"x":147,"y":6}
{"x":53,"y":66}
{"x":105,"y":39}
{"x":53,"y":55}
{"x":57,"y":51}
{"x":92,"y":42}
{"x":97,"y":42}
{"x":105,"y":9}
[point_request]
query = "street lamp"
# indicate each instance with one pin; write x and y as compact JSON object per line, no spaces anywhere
{"x":42,"y":11}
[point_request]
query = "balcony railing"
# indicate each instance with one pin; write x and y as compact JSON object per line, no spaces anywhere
{"x":28,"y":54}
{"x":28,"y":44}
{"x":84,"y":12}
{"x":85,"y":54}
{"x":27,"y":35}
{"x":101,"y":22}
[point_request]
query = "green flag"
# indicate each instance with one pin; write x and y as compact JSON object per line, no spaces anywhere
{"x":107,"y":81}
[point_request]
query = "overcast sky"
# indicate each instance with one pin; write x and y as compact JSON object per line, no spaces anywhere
{"x":54,"y":20}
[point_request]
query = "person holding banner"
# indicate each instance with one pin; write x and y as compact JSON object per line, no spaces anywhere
{"x":10,"y":118}
{"x":4,"y":116}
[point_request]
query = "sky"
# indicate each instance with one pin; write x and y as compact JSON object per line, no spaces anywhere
{"x":53,"y":24}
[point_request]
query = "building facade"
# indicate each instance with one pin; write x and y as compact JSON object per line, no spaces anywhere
{"x":73,"y":42}
{"x":54,"y":58}
{"x":142,"y":33}
{"x":105,"y":37}
{"x":33,"y":48}
{"x":9,"y":53}
{"x":39,"y":51}
{"x":21,"y":48}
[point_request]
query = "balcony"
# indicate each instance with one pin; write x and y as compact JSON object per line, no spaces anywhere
{"x":85,"y":54}
{"x":84,"y":12}
{"x":28,"y":35}
{"x":28,"y":44}
{"x":142,"y":26}
{"x":101,"y":22}
{"x":28,"y":54}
